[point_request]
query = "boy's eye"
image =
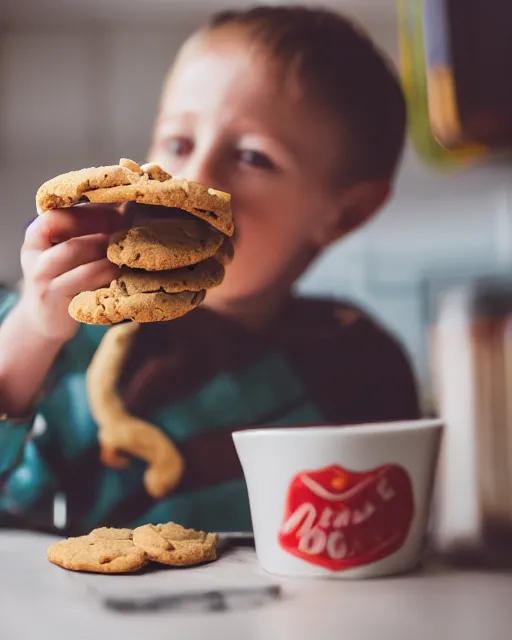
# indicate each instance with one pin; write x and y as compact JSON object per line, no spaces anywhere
{"x":255,"y":159}
{"x":178,"y":146}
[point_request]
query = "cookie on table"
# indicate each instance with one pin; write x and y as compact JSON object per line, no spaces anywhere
{"x":173,"y":545}
{"x":107,"y":306}
{"x":167,"y":244}
{"x":111,"y":533}
{"x":146,"y":184}
{"x":98,"y":554}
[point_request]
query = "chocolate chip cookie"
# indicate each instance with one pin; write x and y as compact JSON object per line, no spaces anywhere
{"x":168,"y":244}
{"x":178,"y":225}
{"x":109,"y":306}
{"x":197,"y":277}
{"x":129,"y":182}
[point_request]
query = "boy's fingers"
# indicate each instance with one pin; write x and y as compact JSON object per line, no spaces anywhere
{"x":59,"y":225}
{"x":86,"y":277}
{"x":68,"y":255}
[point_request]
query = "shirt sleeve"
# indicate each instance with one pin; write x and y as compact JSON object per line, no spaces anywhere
{"x":13,"y":435}
{"x":26,"y":479}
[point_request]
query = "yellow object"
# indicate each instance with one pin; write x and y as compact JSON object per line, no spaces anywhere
{"x":429,"y":89}
{"x":340,"y":480}
{"x":442,"y":107}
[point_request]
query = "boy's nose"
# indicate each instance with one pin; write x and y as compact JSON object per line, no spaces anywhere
{"x":206,"y":169}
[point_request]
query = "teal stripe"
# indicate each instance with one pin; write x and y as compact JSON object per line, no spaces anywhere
{"x":111,"y":487}
{"x":29,"y":482}
{"x":223,"y":508}
{"x":67,"y":413}
{"x":12,"y":439}
{"x":247,"y":397}
{"x":306,"y":414}
{"x":76,"y":356}
{"x":115,"y":486}
{"x":65,"y":405}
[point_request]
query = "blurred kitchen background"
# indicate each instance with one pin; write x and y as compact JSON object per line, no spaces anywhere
{"x":79,"y":83}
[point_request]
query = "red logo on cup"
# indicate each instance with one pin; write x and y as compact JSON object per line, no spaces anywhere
{"x":341,"y":519}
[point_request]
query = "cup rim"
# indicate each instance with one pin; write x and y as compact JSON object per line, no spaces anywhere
{"x":364,"y":429}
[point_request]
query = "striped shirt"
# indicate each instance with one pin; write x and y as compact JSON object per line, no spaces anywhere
{"x":198,"y":379}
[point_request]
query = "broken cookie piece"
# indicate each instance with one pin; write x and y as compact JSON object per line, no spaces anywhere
{"x":129,"y":182}
{"x":108,"y":306}
{"x":173,"y":545}
{"x":98,"y":554}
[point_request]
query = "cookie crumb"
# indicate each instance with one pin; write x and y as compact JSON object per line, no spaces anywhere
{"x":219,"y":194}
{"x":131,"y":165}
{"x":155,"y":172}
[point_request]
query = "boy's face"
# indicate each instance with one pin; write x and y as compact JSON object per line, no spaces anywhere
{"x":225,"y":123}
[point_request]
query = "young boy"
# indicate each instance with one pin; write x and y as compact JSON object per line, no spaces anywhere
{"x":293,"y":112}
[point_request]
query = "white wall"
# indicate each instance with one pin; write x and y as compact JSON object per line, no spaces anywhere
{"x":78,"y":92}
{"x":434,"y":227}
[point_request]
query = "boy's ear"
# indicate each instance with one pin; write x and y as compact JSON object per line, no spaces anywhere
{"x":357,"y":206}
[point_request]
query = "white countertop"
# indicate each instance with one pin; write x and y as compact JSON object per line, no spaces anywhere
{"x":42,"y":601}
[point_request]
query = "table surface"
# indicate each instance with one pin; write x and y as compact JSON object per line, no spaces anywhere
{"x":41,"y":601}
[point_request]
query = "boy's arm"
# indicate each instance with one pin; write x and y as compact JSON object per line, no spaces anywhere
{"x":64,"y":253}
{"x":24,"y":370}
{"x":27,"y":479}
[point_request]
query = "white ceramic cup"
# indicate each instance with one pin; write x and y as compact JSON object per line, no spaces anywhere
{"x":342,"y":502}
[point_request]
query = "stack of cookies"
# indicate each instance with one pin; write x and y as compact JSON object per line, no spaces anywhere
{"x":175,"y":246}
{"x":109,"y":550}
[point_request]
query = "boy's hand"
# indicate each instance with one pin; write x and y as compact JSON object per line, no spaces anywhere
{"x":64,"y":253}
